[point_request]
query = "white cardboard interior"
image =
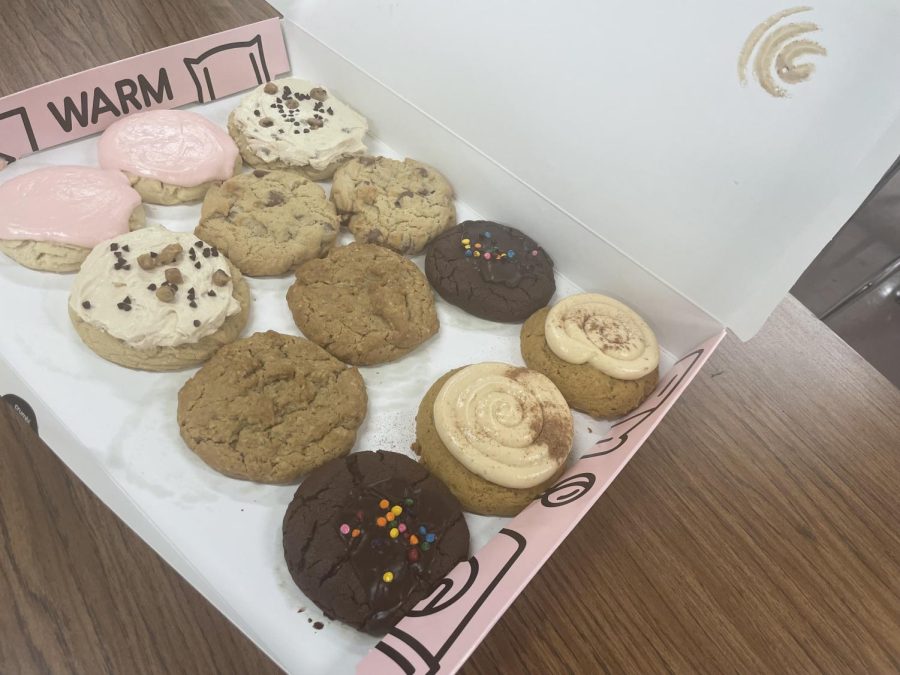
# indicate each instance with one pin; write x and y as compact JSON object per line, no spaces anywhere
{"x":631,"y":120}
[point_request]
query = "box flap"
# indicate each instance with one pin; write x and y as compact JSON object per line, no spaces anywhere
{"x":643,"y":123}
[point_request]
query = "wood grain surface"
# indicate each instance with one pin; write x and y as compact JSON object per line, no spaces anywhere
{"x":756,"y":531}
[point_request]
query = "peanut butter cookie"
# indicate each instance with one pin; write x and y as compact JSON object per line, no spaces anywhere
{"x":270,"y":408}
{"x":364,"y":304}
{"x":400,"y":205}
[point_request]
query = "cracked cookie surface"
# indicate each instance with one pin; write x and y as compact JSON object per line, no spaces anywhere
{"x":492,"y":271}
{"x":364,"y":304}
{"x":270,"y":408}
{"x":268,"y":222}
{"x":400,"y":205}
{"x":357,"y":565}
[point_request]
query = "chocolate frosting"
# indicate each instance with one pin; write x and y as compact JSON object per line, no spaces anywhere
{"x":338,"y":553}
{"x":506,"y":277}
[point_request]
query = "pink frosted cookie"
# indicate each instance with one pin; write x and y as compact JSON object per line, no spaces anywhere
{"x":51,"y":218}
{"x":170,"y":156}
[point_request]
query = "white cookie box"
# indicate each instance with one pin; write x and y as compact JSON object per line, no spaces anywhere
{"x":620,"y":137}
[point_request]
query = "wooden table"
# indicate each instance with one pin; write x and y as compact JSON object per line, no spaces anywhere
{"x":756,"y":531}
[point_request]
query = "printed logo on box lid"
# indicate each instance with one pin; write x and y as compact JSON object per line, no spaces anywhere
{"x":24,"y":410}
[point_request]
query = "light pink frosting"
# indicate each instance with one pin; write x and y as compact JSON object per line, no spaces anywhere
{"x":174,"y":146}
{"x":75,"y":205}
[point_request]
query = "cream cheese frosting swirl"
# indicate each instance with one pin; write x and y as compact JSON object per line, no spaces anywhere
{"x":299,"y":123}
{"x":509,"y":425}
{"x":603,"y":332}
{"x":119,"y":289}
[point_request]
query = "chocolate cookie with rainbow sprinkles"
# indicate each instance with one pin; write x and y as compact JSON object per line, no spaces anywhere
{"x":368,"y":536}
{"x":491,"y":271}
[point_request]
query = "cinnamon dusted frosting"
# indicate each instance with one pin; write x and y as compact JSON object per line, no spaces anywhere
{"x":74,"y":205}
{"x":299,"y":123}
{"x":154,"y":288}
{"x":509,"y":425}
{"x":603,"y":332}
{"x":176,"y":147}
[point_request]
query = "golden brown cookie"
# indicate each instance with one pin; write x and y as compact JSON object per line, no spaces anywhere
{"x":584,"y":387}
{"x":364,"y":304}
{"x":401,"y":205}
{"x":268,"y":222}
{"x":476,"y":494}
{"x":270,"y":408}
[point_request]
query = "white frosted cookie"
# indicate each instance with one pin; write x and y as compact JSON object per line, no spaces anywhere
{"x":158,"y":300}
{"x":51,"y":218}
{"x":296,"y":124}
{"x":170,"y":156}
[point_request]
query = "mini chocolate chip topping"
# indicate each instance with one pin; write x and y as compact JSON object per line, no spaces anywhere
{"x":266,"y":122}
{"x":196,"y":323}
{"x":151,"y":287}
{"x":259,"y":173}
{"x":197,"y":265}
{"x":113,"y":247}
{"x":126,"y":249}
{"x":86,"y":304}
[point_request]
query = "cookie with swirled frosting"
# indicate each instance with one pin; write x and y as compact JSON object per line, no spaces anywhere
{"x":497,"y":435}
{"x":599,"y":352}
{"x":51,"y":218}
{"x":170,"y":156}
{"x":296,"y":124}
{"x":491,"y":271}
{"x":158,"y":300}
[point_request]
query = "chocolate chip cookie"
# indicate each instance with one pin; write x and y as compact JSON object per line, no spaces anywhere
{"x":270,"y":408}
{"x":491,"y":271}
{"x":268,"y":222}
{"x":367,"y":537}
{"x":364,"y":304}
{"x":400,"y":205}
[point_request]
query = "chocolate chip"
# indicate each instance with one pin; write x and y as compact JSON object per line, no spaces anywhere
{"x":330,"y":111}
{"x":197,"y":265}
{"x":318,"y":93}
{"x":151,"y":287}
{"x":266,"y":122}
{"x":165,"y":294}
{"x":211,"y":293}
{"x":113,"y":247}
{"x":124,"y":306}
{"x":196,"y":323}
{"x":198,"y":244}
{"x":173,"y":275}
{"x":193,"y":304}
{"x":126,"y":249}
{"x":306,"y":131}
{"x":220,"y":278}
{"x":126,"y":267}
{"x":275,"y":198}
{"x":191,"y":292}
{"x":271,"y":88}
{"x":153,"y":254}
{"x":259,"y":173}
{"x":146,"y":261}
{"x":86,"y":304}
{"x":206,"y":253}
{"x":127,"y":300}
{"x":215,"y":252}
{"x":257,"y":113}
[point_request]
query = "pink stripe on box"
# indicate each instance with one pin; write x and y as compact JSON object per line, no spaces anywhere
{"x":87,"y":102}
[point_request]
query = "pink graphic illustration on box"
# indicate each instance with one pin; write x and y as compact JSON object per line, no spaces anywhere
{"x":201,"y":70}
{"x":441,"y":632}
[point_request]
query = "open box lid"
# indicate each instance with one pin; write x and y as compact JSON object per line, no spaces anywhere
{"x":633,"y":120}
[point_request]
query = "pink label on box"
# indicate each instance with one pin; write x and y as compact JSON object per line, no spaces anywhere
{"x":88,"y":102}
{"x":441,"y":632}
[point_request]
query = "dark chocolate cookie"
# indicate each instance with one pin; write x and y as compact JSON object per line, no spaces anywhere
{"x":368,"y":536}
{"x":492,"y":271}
